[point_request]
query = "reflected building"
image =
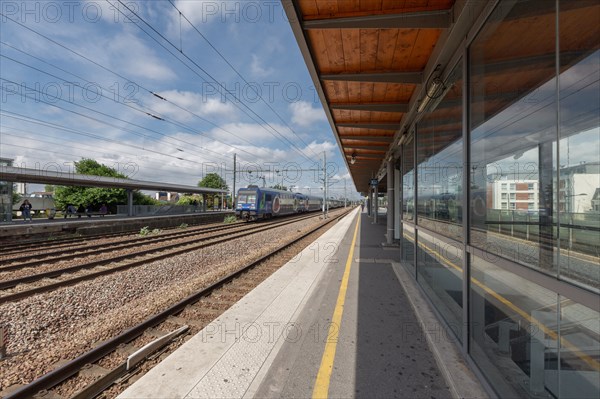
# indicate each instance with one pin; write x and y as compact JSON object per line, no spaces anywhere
{"x":577,"y":186}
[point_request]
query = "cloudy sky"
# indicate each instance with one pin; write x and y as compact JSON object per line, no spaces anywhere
{"x":162,"y":91}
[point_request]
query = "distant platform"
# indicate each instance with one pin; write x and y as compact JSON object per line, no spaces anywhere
{"x":57,"y":227}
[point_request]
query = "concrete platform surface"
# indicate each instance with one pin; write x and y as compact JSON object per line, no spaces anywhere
{"x":276,"y":340}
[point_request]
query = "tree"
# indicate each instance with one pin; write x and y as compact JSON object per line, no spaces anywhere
{"x":16,"y":197}
{"x":212,"y":180}
{"x":49,"y":188}
{"x":96,"y":196}
{"x":190,"y":200}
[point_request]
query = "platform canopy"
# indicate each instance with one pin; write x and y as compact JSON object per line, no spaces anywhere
{"x":41,"y":176}
{"x":370,"y":61}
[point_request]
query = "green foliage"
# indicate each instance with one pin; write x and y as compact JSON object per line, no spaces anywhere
{"x":16,"y":197}
{"x":183,"y":226}
{"x":279,"y":187}
{"x":96,"y":196}
{"x":49,"y":188}
{"x":145,"y":231}
{"x":212,"y":180}
{"x":230,"y":219}
{"x":189,"y":200}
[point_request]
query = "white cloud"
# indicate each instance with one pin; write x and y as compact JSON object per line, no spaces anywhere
{"x":197,"y":11}
{"x":303,"y":114}
{"x":194,"y":102}
{"x":257,"y":69}
{"x":128,"y":53}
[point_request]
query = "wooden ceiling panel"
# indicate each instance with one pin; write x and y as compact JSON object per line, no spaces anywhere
{"x":350,"y":131}
{"x":372,"y":50}
{"x":421,"y":49}
{"x":382,"y":56}
{"x":366,"y":116}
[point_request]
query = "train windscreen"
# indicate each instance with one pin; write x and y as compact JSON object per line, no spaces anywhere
{"x":247,"y":198}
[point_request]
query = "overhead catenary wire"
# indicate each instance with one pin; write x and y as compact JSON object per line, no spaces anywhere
{"x":153,"y":115}
{"x":96,"y":119}
{"x":239,"y":74}
{"x":64,"y":144}
{"x":29,"y":119}
{"x":109,"y":70}
{"x":220,"y":86}
{"x":126,"y":79}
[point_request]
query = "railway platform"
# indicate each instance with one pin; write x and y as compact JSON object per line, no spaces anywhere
{"x":336,"y":321}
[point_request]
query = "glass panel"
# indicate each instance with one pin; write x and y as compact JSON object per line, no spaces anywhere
{"x":408,"y":247}
{"x":408,"y":183}
{"x":513,"y":332}
{"x":579,"y":147}
{"x":580,"y":345}
{"x":513,"y":133}
{"x":439,"y":272}
{"x":439,"y":162}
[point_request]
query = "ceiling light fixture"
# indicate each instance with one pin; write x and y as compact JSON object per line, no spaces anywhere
{"x":353,"y":158}
{"x":435,"y":88}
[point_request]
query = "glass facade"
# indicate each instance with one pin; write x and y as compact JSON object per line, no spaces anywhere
{"x":501,"y":198}
{"x":439,"y":162}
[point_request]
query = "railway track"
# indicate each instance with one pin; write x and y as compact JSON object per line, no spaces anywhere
{"x":116,"y":263}
{"x":67,"y":252}
{"x":52,"y":250}
{"x":232,"y":286}
{"x":54,"y":242}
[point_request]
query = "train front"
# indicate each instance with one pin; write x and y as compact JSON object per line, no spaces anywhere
{"x":246,"y":208}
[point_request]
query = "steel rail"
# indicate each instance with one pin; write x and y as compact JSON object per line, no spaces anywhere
{"x":101,"y":247}
{"x":187,"y":246}
{"x":60,"y":374}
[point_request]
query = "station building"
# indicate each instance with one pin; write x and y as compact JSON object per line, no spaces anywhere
{"x":438,"y":105}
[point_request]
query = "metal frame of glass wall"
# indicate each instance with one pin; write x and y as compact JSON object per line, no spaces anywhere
{"x":498,"y":180}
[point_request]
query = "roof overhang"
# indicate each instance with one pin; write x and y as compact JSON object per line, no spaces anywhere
{"x":370,"y":60}
{"x":41,"y":176}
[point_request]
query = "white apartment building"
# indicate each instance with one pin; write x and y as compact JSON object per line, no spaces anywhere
{"x":513,"y":194}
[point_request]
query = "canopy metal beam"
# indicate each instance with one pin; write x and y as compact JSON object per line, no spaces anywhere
{"x":413,"y":20}
{"x":51,"y":176}
{"x":376,"y":77}
{"x":392,"y":107}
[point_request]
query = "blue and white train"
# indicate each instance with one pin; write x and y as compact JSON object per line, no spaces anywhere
{"x":254,"y":203}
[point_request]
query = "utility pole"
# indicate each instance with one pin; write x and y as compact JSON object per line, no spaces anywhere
{"x":344,"y":193}
{"x":324,"y":185}
{"x":233,"y":198}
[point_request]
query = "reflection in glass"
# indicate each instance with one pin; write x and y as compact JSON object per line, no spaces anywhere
{"x":514,"y":335}
{"x":579,"y":145}
{"x":513,"y":135}
{"x":439,"y":162}
{"x":579,"y":373}
{"x":408,"y":180}
{"x":408,"y":247}
{"x":439,"y":271}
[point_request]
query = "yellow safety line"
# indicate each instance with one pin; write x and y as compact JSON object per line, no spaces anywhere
{"x":565,"y":343}
{"x":321,"y":388}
